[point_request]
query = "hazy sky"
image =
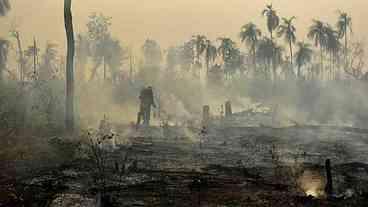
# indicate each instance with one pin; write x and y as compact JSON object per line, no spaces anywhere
{"x":173,"y":21}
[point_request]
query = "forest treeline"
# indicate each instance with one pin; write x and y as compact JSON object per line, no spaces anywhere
{"x":277,"y":54}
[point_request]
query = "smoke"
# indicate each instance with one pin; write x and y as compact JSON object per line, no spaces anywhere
{"x":181,"y":98}
{"x":99,"y":100}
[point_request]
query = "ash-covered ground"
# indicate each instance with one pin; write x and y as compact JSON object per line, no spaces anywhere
{"x":232,"y":162}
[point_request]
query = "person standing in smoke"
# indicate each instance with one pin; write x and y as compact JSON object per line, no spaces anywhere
{"x":146,"y":101}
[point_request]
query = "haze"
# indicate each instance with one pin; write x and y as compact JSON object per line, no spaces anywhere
{"x":173,"y":21}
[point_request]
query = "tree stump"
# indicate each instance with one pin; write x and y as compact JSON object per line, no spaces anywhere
{"x":205,"y":116}
{"x":228,"y":109}
{"x":329,"y":185}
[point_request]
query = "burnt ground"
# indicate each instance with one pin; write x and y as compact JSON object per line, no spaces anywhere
{"x":179,"y":166}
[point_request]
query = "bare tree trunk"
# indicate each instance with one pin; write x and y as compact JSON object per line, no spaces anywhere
{"x":273,"y":60}
{"x":69,"y":108}
{"x":291,"y":57}
{"x":104,"y":59}
{"x":346,"y":47}
{"x":329,"y":185}
{"x":130,"y":66}
{"x":35,"y":58}
{"x":254,"y":58}
{"x":321,"y":67}
{"x":2,"y":69}
{"x":21,"y":57}
{"x":104,"y":68}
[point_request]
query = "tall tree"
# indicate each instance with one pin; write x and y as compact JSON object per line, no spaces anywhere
{"x":83,"y":52}
{"x":250,"y":34}
{"x":303,"y":56}
{"x":236,"y":62}
{"x":227,"y":51}
{"x":4,"y":7}
{"x":69,"y":108}
{"x":152,"y":53}
{"x":15,"y":33}
{"x":186,"y":55}
{"x":226,"y":45}
{"x":344,"y":25}
{"x":332,"y":46}
{"x":265,"y":55}
{"x":278,"y":56}
{"x":99,"y":34}
{"x":288,"y":30}
{"x":172,"y":58}
{"x":199,"y":42}
{"x":49,"y":65}
{"x":268,"y":52}
{"x":4,"y":51}
{"x":31,"y":54}
{"x":356,"y":61}
{"x":111,"y":54}
{"x":115,"y":54}
{"x":210,"y":54}
{"x":273,"y":22}
{"x":317,"y":33}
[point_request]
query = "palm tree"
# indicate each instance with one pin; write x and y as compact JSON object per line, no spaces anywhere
{"x":236,"y":62}
{"x":272,"y":19}
{"x":250,"y":34}
{"x":265,"y":54}
{"x":317,"y":33}
{"x":269,"y":52}
{"x":303,"y":56}
{"x":226,"y":50}
{"x":332,"y":45}
{"x":200,"y":46}
{"x":4,"y":7}
{"x":69,"y":109}
{"x":226,"y":45}
{"x":186,"y":56}
{"x":210,"y":54}
{"x":344,"y":24}
{"x":273,"y":22}
{"x":287,"y":29}
{"x":278,"y":56}
{"x":4,"y":50}
{"x":199,"y":42}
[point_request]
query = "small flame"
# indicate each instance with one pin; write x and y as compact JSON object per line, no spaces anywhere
{"x":311,"y":192}
{"x":311,"y":183}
